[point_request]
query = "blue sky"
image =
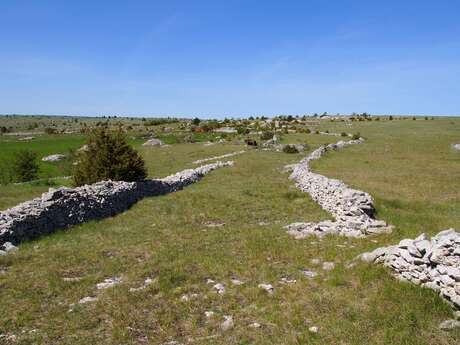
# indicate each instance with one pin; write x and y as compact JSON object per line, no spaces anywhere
{"x":229,"y":58}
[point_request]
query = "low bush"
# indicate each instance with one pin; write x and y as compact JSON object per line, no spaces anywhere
{"x":108,"y":157}
{"x":343,"y":134}
{"x":25,"y":166}
{"x":266,"y":135}
{"x":356,"y":136}
{"x":290,"y":149}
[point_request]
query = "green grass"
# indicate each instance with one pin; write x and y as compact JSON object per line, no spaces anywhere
{"x":406,"y":165}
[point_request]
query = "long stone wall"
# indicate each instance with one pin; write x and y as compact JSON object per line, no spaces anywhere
{"x":352,"y":209}
{"x":433,"y":263}
{"x":64,"y":207}
{"x":218,"y":157}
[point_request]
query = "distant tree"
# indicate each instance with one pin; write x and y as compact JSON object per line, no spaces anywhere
{"x":25,"y":166}
{"x":109,"y":156}
{"x":3,"y":130}
{"x":390,"y":118}
{"x":196,"y":121}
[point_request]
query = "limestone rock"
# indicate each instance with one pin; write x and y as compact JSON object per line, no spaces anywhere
{"x":352,"y":209}
{"x":53,"y":158}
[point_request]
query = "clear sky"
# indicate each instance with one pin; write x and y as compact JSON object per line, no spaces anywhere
{"x":229,"y":58}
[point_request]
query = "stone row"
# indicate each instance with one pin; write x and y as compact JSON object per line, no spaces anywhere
{"x":218,"y":157}
{"x":63,"y":207}
{"x":352,"y":209}
{"x":433,"y":263}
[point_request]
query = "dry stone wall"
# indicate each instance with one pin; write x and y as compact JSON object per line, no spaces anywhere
{"x":352,"y":209}
{"x":219,"y":157}
{"x":433,"y":263}
{"x":64,"y":207}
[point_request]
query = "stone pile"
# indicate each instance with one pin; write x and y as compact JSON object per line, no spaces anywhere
{"x":64,"y":207}
{"x":352,"y":209}
{"x":53,"y":158}
{"x":456,"y":147}
{"x":431,"y":263}
{"x":218,"y":157}
{"x":153,"y":142}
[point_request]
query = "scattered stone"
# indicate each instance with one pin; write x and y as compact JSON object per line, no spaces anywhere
{"x":268,"y":288}
{"x":209,"y":314}
{"x":255,"y":325}
{"x":447,"y":325}
{"x":287,"y":281}
{"x":352,"y":209}
{"x":188,"y":297}
{"x":237,"y":282}
{"x":84,"y":148}
{"x":153,"y":142}
{"x":309,"y":274}
{"x":431,"y":263}
{"x":228,"y":323}
{"x":456,"y":147}
{"x":8,"y":247}
{"x":26,"y":138}
{"x":108,"y":283}
{"x":147,"y":282}
{"x":53,"y":158}
{"x":315,"y":261}
{"x":313,"y":329}
{"x":209,"y":281}
{"x":220,"y":289}
{"x":88,"y":299}
{"x":328,"y":266}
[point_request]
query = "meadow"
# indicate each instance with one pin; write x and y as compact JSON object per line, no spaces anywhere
{"x":407,"y":166}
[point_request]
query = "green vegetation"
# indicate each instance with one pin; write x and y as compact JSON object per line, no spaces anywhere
{"x":108,"y":157}
{"x":406,"y":165}
{"x":25,"y":166}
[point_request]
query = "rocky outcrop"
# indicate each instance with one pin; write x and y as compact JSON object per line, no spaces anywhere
{"x":53,"y":158}
{"x":433,"y":263}
{"x":153,"y":142}
{"x":218,"y":157}
{"x":64,"y":207}
{"x":352,"y":209}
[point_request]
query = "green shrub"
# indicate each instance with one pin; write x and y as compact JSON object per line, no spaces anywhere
{"x":356,"y":136}
{"x":266,"y":135}
{"x":343,"y":134}
{"x":308,"y":131}
{"x":290,"y":149}
{"x":108,"y":157}
{"x":25,"y":166}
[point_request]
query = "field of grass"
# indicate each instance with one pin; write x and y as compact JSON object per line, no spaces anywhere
{"x":407,"y":166}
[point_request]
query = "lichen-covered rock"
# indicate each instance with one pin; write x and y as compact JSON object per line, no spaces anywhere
{"x":63,"y":207}
{"x":431,"y":263}
{"x":352,"y":209}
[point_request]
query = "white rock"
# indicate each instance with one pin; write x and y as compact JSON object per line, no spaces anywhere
{"x":313,"y":329}
{"x":449,"y":324}
{"x":328,"y":266}
{"x":108,"y":283}
{"x":228,"y":323}
{"x":220,"y":288}
{"x":267,"y":287}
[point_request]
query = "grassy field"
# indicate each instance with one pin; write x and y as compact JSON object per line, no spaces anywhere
{"x":409,"y":168}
